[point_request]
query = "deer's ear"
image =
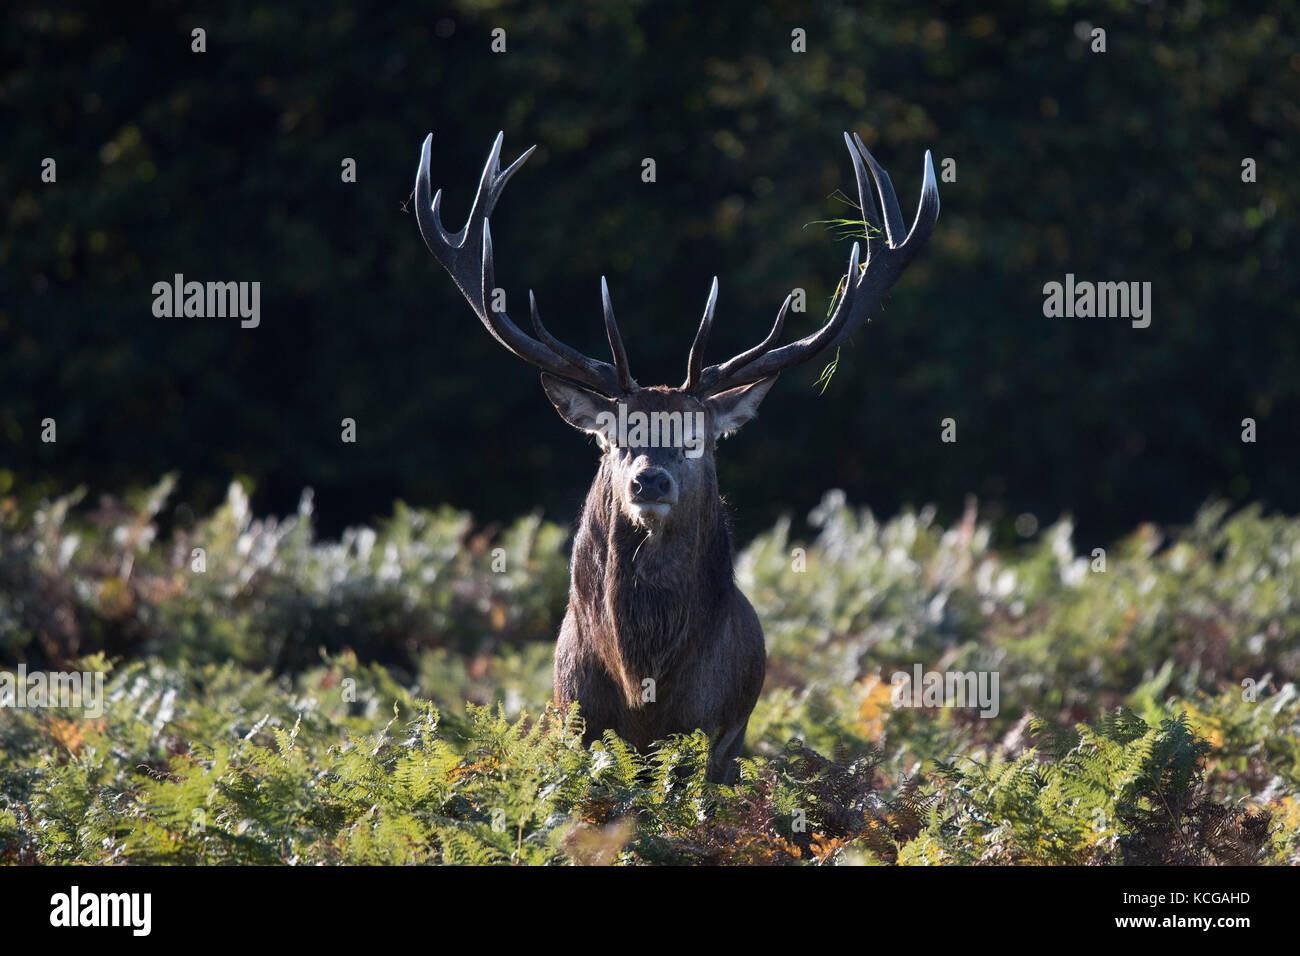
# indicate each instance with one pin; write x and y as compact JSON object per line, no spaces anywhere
{"x":734,"y":407}
{"x":583,"y":409}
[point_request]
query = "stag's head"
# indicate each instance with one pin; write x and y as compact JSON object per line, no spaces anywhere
{"x":658,"y":442}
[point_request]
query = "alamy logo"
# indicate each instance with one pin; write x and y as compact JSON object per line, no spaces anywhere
{"x":74,"y":908}
{"x":209,"y":300}
{"x":1102,"y":300}
{"x":946,"y":689}
{"x":39,"y":689}
{"x":654,"y":430}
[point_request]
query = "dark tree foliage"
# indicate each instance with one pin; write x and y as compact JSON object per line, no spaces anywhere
{"x":225,"y":165}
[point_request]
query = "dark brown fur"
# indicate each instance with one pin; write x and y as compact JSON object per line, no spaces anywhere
{"x":659,"y":605}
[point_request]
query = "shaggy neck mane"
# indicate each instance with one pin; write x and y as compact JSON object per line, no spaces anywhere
{"x":652,"y":591}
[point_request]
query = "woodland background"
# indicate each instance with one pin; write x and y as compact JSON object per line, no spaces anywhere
{"x":226,"y":166}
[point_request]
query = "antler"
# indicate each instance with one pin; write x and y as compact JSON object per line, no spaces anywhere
{"x":467,"y":256}
{"x":864,"y":286}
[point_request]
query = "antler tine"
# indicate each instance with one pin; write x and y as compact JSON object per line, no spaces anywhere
{"x":456,"y":250}
{"x":581,"y":363}
{"x":696,"y":361}
{"x":733,"y":365}
{"x":493,"y":181}
{"x":763,"y":360}
{"x":759,"y":350}
{"x":927,"y":211}
{"x":625,"y":380}
{"x":888,"y":198}
{"x":864,"y":286}
{"x":866,"y":195}
{"x":467,"y":256}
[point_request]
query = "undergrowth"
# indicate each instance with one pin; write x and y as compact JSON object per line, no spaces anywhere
{"x":274,"y":698}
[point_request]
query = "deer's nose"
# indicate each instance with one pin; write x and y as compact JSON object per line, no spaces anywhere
{"x":652,"y":484}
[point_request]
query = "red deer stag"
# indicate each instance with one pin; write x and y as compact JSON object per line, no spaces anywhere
{"x":657,"y":638}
